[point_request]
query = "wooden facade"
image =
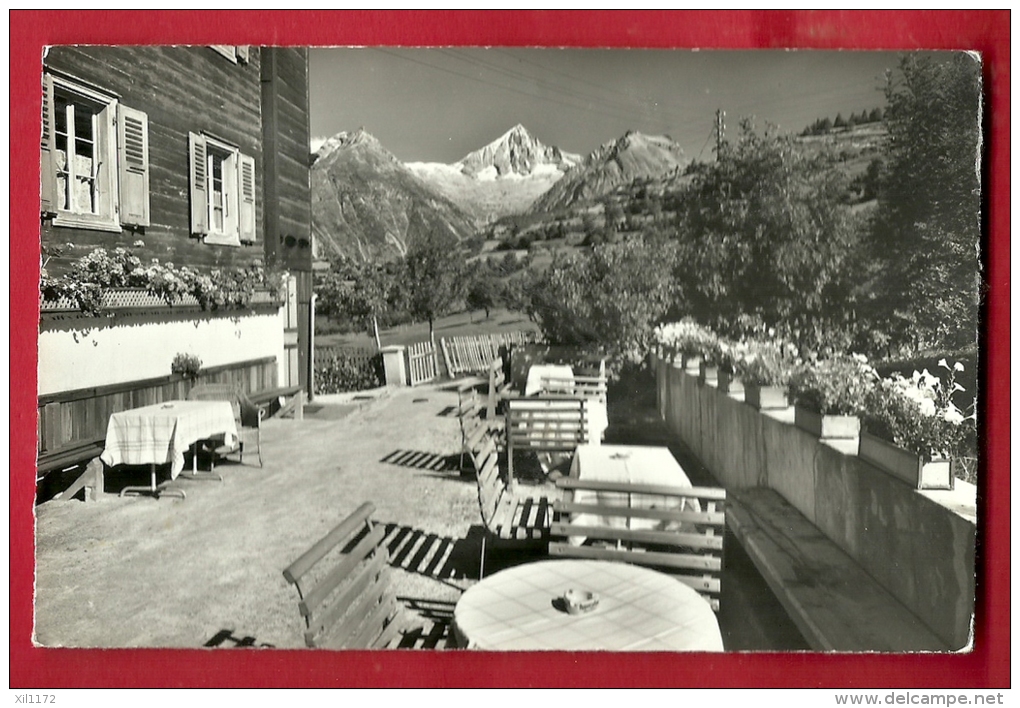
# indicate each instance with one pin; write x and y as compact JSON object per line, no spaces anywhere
{"x":169,"y":112}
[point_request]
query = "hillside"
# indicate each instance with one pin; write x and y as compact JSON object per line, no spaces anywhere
{"x":616,"y":163}
{"x":504,"y":177}
{"x":366,"y":205}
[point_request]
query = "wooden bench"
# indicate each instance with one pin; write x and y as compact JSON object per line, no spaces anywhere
{"x":677,"y":530}
{"x":84,"y":452}
{"x":507,"y":517}
{"x":544,"y":425}
{"x":291,"y":400}
{"x":473,"y":421}
{"x":835,"y":603}
{"x":499,"y":388}
{"x":344,"y":591}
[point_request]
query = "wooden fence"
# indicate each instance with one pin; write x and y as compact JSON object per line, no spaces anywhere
{"x":421,"y":362}
{"x":473,"y":354}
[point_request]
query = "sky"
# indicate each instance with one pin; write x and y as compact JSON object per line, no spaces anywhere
{"x":439,"y":104}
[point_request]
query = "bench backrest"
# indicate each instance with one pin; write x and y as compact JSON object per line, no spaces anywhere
{"x":546,"y":424}
{"x":498,"y":387}
{"x":678,"y":530}
{"x":470,"y":415}
{"x":493,"y":492}
{"x":343,"y":586}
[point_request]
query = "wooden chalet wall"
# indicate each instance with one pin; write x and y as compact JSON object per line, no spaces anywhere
{"x":182,"y":90}
{"x":288,"y":216}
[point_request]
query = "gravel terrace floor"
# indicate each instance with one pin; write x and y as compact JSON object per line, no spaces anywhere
{"x":207,"y":570}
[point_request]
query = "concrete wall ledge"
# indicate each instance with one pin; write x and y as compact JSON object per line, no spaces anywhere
{"x":918,"y":545}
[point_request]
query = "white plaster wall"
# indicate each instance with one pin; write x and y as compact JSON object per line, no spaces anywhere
{"x":133,"y":350}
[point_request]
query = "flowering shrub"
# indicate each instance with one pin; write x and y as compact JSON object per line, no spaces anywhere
{"x":918,"y":414}
{"x":835,"y":386}
{"x":686,"y":337}
{"x":340,"y":370}
{"x":766,"y":362}
{"x":186,"y":364}
{"x":91,"y":275}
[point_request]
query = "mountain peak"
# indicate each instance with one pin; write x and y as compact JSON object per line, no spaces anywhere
{"x":516,"y":152}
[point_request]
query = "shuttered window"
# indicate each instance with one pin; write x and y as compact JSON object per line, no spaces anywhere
{"x":222,"y":192}
{"x":94,"y":158}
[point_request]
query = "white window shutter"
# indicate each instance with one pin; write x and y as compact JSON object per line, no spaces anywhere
{"x":198,"y":180}
{"x":133,"y":165}
{"x":47,"y":168}
{"x":246,"y":213}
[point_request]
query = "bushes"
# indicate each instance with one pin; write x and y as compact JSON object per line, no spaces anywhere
{"x":338,"y":370}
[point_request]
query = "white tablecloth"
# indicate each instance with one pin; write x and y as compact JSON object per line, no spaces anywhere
{"x":638,"y":610}
{"x":635,"y":464}
{"x":160,"y":433}
{"x":564,"y":375}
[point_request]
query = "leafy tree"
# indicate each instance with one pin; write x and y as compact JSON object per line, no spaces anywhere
{"x":434,"y":271}
{"x":927,"y":229}
{"x":766,"y":234}
{"x":608,"y":298}
{"x":484,"y":291}
{"x":358,"y":292}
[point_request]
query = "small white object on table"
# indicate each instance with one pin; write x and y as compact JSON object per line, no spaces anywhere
{"x":523,"y":608}
{"x":634,"y":464}
{"x":159,"y":434}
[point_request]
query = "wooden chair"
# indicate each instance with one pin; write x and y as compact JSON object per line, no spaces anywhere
{"x":506,"y":516}
{"x":247,"y":415}
{"x":678,"y":530}
{"x":499,"y":388}
{"x":345,"y":596}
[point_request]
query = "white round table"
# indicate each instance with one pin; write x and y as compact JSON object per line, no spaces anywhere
{"x":639,"y":610}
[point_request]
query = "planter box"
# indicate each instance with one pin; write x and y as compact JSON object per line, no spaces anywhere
{"x":905,"y":465}
{"x":730,"y":383}
{"x":692,"y":363}
{"x":827,"y":427}
{"x":708,"y":374}
{"x":765,"y":397}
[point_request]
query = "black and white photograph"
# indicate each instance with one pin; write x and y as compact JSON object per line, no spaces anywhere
{"x":509,"y":349}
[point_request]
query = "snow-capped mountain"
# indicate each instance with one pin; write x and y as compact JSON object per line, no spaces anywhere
{"x":504,"y":177}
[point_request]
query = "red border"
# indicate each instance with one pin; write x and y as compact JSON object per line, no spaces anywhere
{"x":983,"y":31}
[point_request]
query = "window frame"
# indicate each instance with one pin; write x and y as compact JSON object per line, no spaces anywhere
{"x":230,"y":234}
{"x":104,"y":114}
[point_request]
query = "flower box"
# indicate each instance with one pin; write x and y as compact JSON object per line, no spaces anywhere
{"x":692,"y":363}
{"x":708,"y":373}
{"x":730,"y":382}
{"x":765,"y":397}
{"x":826,"y":427}
{"x":905,"y":465}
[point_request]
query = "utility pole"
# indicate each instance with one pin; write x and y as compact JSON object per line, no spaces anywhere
{"x":720,"y":130}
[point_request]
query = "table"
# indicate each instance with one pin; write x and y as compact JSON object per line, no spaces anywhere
{"x":160,"y":433}
{"x":636,"y":464}
{"x":563,"y":375}
{"x":639,"y":610}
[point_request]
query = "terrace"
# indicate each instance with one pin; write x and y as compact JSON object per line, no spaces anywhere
{"x":215,"y":559}
{"x":206,"y":571}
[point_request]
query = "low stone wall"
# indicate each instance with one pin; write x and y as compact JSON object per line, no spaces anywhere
{"x":920,"y":546}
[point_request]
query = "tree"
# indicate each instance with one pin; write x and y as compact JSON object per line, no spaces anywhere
{"x":433,"y":280}
{"x":484,"y":290}
{"x":608,"y":298}
{"x":927,"y":229}
{"x":766,"y":234}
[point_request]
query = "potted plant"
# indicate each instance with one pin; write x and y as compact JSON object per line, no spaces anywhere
{"x":912,"y":429}
{"x":688,"y":339}
{"x":729,"y":353}
{"x":186,"y":365}
{"x":765,"y":369}
{"x":829,"y":395}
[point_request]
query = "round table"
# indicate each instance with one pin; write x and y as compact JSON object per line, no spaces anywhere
{"x":638,"y":610}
